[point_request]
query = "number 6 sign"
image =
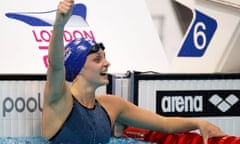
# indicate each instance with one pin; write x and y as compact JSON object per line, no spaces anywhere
{"x":199,"y":36}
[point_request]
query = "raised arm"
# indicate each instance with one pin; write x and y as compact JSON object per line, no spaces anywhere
{"x":55,"y":86}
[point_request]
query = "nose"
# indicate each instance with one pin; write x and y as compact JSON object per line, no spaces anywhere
{"x":106,"y":63}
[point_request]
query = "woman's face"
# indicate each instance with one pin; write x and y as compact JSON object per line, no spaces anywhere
{"x":95,"y":68}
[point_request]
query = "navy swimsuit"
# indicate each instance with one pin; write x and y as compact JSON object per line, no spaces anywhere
{"x":84,"y":126}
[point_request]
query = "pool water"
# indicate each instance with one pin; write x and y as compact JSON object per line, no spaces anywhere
{"x":40,"y":140}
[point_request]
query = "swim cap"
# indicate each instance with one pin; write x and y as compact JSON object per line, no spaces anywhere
{"x":75,"y":55}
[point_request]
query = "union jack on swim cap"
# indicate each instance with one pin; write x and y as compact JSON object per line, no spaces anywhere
{"x":75,"y":55}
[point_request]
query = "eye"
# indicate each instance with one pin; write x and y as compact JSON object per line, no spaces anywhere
{"x":97,"y":59}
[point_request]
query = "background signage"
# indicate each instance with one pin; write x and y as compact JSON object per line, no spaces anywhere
{"x":213,"y":97}
{"x":199,"y":36}
{"x":131,"y":43}
{"x":198,"y":103}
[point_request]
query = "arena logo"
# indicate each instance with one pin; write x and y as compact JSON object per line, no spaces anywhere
{"x":182,"y":104}
{"x":198,"y":103}
{"x":42,"y":21}
{"x":224,"y":104}
{"x":21,"y":104}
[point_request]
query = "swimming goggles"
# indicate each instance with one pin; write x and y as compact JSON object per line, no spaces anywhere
{"x":96,"y":48}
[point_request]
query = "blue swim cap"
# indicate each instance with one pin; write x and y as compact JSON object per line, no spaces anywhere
{"x":75,"y":56}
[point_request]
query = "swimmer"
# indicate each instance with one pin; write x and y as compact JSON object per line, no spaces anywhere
{"x":74,"y":114}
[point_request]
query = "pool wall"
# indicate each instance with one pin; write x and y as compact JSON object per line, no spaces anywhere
{"x":21,"y":99}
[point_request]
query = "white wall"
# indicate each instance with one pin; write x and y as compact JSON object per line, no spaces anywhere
{"x":167,"y":26}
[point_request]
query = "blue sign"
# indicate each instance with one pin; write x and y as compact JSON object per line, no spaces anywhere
{"x":199,"y":36}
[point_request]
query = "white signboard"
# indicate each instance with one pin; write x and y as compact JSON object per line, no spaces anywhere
{"x":125,"y":27}
{"x":215,"y":98}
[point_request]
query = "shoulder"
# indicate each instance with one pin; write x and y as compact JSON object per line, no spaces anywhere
{"x":113,"y":103}
{"x":116,"y":103}
{"x":111,"y":99}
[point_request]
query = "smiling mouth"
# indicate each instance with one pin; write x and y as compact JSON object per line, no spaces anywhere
{"x":103,"y":73}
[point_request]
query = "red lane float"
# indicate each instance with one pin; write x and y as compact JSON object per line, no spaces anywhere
{"x":136,"y":133}
{"x":180,"y":138}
